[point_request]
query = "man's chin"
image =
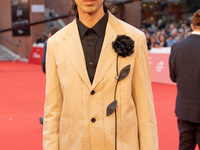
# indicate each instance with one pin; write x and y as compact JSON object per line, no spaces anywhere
{"x":90,"y":10}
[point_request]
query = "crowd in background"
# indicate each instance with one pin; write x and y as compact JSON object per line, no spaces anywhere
{"x":165,"y":35}
{"x":162,"y":35}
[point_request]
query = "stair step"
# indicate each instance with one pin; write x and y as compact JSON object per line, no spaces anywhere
{"x":6,"y":54}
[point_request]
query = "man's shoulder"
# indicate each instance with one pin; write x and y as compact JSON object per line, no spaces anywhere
{"x":181,"y":43}
{"x":59,"y":34}
{"x":130,"y":28}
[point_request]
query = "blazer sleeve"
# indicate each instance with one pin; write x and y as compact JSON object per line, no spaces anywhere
{"x":53,"y":102}
{"x":143,"y":98}
{"x":172,"y":65}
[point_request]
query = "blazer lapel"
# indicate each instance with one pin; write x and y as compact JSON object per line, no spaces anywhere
{"x":75,"y":52}
{"x":108,"y":55}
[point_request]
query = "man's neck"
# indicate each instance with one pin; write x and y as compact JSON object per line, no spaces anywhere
{"x":90,"y":20}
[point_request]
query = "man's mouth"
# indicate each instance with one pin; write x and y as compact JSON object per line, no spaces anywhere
{"x":89,"y":2}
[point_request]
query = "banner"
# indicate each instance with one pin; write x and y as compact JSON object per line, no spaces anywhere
{"x":36,"y":54}
{"x":159,"y":65}
{"x":20,"y":16}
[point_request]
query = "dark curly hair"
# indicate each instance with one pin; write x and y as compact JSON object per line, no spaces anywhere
{"x":74,"y":10}
{"x":196,"y":18}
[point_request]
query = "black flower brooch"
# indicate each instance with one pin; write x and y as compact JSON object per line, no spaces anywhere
{"x":123,"y":46}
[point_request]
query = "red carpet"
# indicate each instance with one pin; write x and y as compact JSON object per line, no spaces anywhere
{"x":21,"y":102}
{"x":22,"y":92}
{"x":164,"y":99}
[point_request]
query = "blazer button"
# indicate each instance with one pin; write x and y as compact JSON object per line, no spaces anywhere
{"x":91,"y":63}
{"x":92,"y":92}
{"x":91,"y":43}
{"x":93,"y":120}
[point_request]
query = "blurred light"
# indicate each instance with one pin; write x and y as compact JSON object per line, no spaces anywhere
{"x":144,"y":5}
{"x":155,"y":1}
{"x":151,"y":6}
{"x":151,"y":18}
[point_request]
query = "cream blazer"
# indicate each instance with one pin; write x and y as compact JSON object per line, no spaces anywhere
{"x":69,"y":106}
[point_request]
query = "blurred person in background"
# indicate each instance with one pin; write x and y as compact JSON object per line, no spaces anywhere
{"x":44,"y":37}
{"x":170,"y":41}
{"x":38,"y":39}
{"x":153,"y":42}
{"x":148,"y":40}
{"x":177,"y":39}
{"x":173,"y":32}
{"x":162,"y":41}
{"x":170,"y":28}
{"x":157,"y":35}
{"x":53,"y":30}
{"x":187,"y":33}
{"x":184,"y":65}
{"x":180,"y":33}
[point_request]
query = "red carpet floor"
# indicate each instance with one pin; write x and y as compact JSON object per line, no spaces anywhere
{"x":22,"y":92}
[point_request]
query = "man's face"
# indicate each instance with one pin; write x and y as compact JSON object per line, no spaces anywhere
{"x":89,"y":6}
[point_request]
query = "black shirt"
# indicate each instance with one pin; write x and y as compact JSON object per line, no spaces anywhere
{"x":92,"y":40}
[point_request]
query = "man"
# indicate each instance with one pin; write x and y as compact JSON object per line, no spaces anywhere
{"x":81,"y":80}
{"x":170,"y":41}
{"x":184,"y":64}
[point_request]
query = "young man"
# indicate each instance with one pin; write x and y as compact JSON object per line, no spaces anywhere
{"x":83,"y":71}
{"x":184,"y":64}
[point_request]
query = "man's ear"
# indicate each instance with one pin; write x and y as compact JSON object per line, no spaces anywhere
{"x":192,"y":26}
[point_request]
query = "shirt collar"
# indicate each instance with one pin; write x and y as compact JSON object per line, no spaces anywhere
{"x":81,"y":27}
{"x":99,"y":27}
{"x":196,"y":32}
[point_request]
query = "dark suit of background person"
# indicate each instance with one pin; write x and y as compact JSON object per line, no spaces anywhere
{"x":184,"y":64}
{"x":44,"y":57}
{"x":53,"y":30}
